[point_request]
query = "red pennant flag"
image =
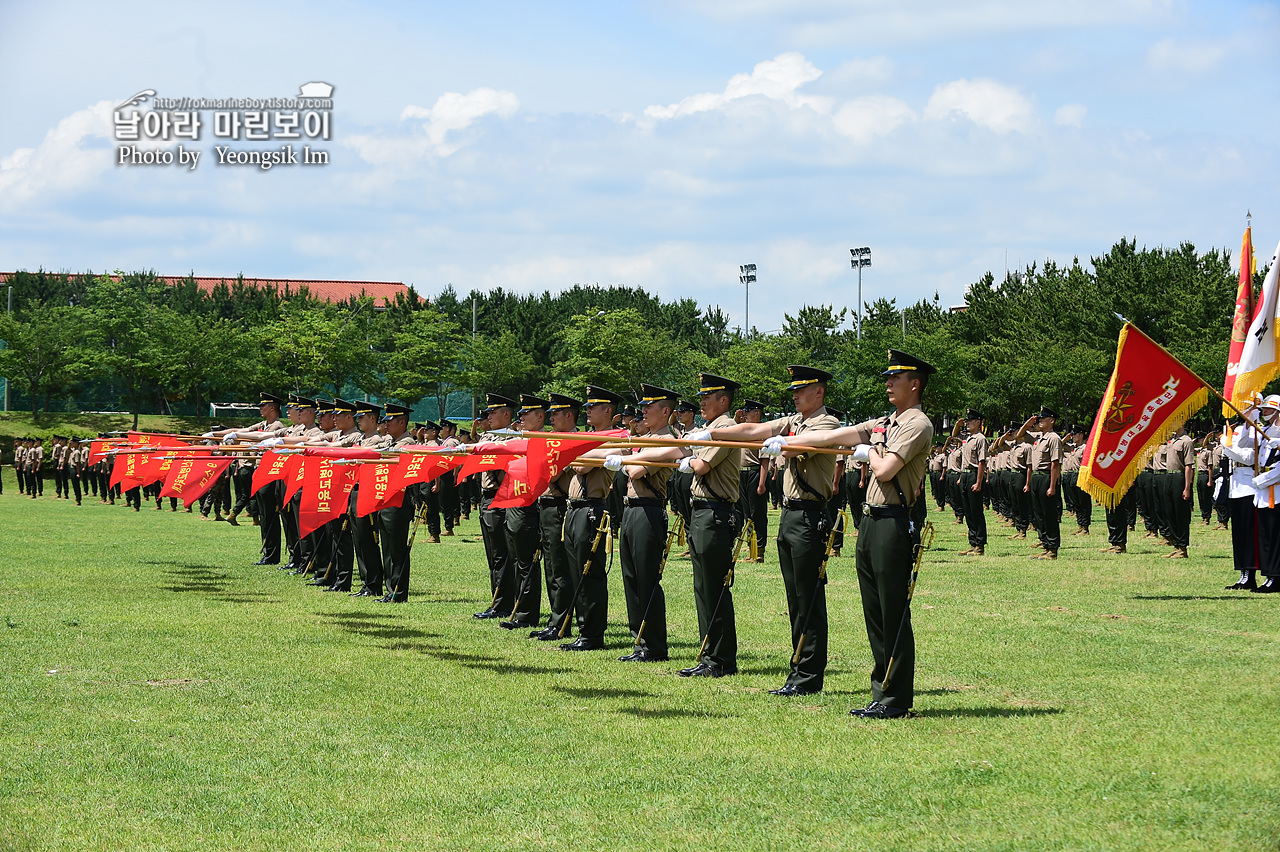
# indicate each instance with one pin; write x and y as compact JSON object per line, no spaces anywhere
{"x":158,"y":465}
{"x":97,"y":451}
{"x":324,"y":493}
{"x":423,"y":468}
{"x":190,"y":478}
{"x":342,"y":452}
{"x":375,"y":489}
{"x":1151,"y":394}
{"x":492,"y":456}
{"x":527,"y":479}
{"x":293,"y":474}
{"x":270,"y":468}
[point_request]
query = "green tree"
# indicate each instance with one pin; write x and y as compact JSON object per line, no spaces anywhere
{"x":46,"y":351}
{"x":619,"y":350}
{"x":496,"y":365}
{"x":425,"y":359}
{"x":129,"y":314}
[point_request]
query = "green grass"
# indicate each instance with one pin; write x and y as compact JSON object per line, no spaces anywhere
{"x":162,"y":693}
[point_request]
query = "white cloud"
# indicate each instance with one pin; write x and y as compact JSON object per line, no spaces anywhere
{"x":62,"y":160}
{"x":863,"y":119}
{"x":1173,"y":56}
{"x":1070,"y":115}
{"x":776,"y":79}
{"x":456,"y":111}
{"x":985,"y":102}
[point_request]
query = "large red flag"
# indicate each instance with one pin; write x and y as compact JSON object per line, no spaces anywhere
{"x":492,"y":456}
{"x":527,"y":479}
{"x":324,"y":493}
{"x":1240,"y":320}
{"x":424,"y":468}
{"x":1150,"y":394}
{"x":190,"y":478}
{"x":270,"y":468}
{"x":376,"y":491}
{"x":294,"y":470}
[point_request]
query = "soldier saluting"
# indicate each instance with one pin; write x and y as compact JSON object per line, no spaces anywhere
{"x":896,"y":449}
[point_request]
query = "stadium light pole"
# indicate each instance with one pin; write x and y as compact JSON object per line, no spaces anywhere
{"x":747,"y":276}
{"x":860,"y":257}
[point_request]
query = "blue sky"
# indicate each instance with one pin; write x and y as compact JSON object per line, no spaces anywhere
{"x":534,"y":146}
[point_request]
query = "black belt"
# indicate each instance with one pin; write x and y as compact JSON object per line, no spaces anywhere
{"x":552,"y":501}
{"x":886,"y":511}
{"x":590,"y":501}
{"x":642,"y":501}
{"x":711,"y":504}
{"x":804,"y":505}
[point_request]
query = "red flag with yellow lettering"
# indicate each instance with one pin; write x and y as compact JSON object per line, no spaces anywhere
{"x":189,"y":478}
{"x":325,"y":490}
{"x":270,"y":468}
{"x":375,"y":489}
{"x":527,"y":479}
{"x":1150,"y":395}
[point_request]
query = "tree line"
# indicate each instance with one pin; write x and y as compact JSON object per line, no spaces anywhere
{"x":1043,"y":335}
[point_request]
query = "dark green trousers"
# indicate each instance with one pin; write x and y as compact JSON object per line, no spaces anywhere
{"x":393,"y":525}
{"x":974,"y":514}
{"x":365,"y":547}
{"x":1047,"y":510}
{"x":712,"y":534}
{"x":884,"y":558}
{"x":524,"y":543}
{"x":555,"y":562}
{"x":754,"y":506}
{"x":268,"y":498}
{"x":493,"y":530}
{"x":591,"y":605}
{"x":1118,"y":520}
{"x":802,"y":545}
{"x":1174,"y":511}
{"x":640,"y":546}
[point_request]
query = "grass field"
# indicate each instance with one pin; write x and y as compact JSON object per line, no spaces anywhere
{"x":162,"y":693}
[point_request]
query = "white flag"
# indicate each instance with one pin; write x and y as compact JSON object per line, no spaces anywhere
{"x":1258,"y":362}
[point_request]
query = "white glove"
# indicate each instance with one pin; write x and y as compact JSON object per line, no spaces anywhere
{"x":230,"y":438}
{"x":613,"y":463}
{"x":699,"y":435}
{"x":773,"y":447}
{"x":207,"y":435}
{"x":686,"y":464}
{"x":862,"y":452}
{"x":271,"y":442}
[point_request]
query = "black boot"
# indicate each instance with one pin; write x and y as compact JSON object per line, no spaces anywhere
{"x":1245,"y":582}
{"x":1270,"y":587}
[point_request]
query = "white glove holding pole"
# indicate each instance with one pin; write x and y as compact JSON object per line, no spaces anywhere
{"x":271,"y":442}
{"x":207,"y":435}
{"x":699,"y":435}
{"x":230,"y":438}
{"x":613,"y":463}
{"x":862,"y":452}
{"x":773,"y":447}
{"x":686,"y":464}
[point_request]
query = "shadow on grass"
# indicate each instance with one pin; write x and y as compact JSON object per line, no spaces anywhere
{"x":988,"y":712}
{"x":474,"y":661}
{"x":595,"y":692}
{"x":1244,"y":597}
{"x":671,"y":713}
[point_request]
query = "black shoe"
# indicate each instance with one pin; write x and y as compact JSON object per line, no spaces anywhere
{"x":583,"y":643}
{"x":366,"y":592}
{"x":876,"y":710}
{"x":1269,"y":587}
{"x":300,"y":572}
{"x":267,"y":562}
{"x":288,"y":566}
{"x":336,"y":589}
{"x":790,"y":689}
{"x":516,"y":625}
{"x":552,"y":634}
{"x":643,"y":655}
{"x":488,"y":613}
{"x":1246,"y":581}
{"x":387,"y":598}
{"x":318,"y":581}
{"x":537,"y":634}
{"x":706,"y":668}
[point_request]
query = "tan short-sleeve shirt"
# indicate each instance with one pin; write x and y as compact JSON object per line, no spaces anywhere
{"x":722,"y":481}
{"x":1181,"y":454}
{"x":973,"y":451}
{"x":816,"y":470}
{"x":908,"y":435}
{"x":654,"y":482}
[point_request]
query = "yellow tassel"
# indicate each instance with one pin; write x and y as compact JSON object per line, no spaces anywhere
{"x":755,"y":548}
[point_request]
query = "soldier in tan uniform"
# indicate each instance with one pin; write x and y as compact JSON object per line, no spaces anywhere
{"x":583,"y":542}
{"x":1177,"y":484}
{"x":498,"y":413}
{"x":973,"y":478}
{"x":897,"y":449}
{"x":804,"y":530}
{"x":524,"y":534}
{"x":552,"y":508}
{"x":713,"y":530}
{"x":1044,"y":472}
